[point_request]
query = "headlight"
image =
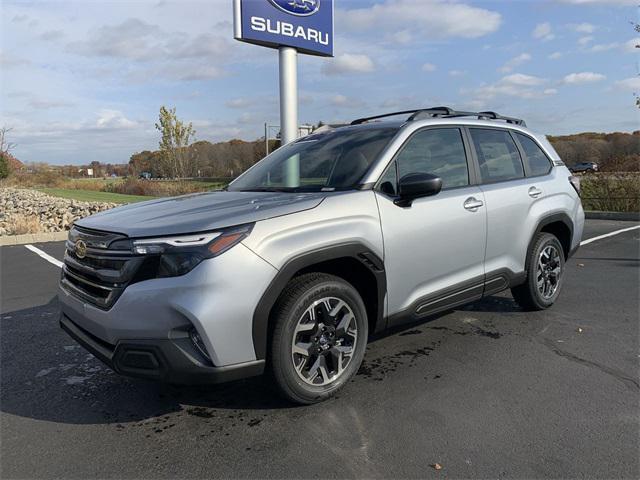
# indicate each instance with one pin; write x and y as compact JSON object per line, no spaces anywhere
{"x":174,"y":256}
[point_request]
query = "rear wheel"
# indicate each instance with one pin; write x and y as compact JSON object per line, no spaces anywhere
{"x":544,"y":275}
{"x":319,"y":338}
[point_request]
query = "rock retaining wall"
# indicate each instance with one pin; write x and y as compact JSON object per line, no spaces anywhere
{"x":30,"y":211}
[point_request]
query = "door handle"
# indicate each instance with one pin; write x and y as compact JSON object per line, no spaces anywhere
{"x":535,"y":192}
{"x":472,"y":204}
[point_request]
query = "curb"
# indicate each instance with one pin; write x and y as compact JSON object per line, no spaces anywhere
{"x":33,"y":238}
{"x":621,"y":216}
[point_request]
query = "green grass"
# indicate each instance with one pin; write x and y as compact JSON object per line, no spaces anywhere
{"x":93,"y":196}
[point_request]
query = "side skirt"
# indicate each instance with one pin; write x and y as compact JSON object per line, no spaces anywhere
{"x":458,"y":295}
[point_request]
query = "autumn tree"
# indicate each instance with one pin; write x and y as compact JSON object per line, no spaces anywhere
{"x":175,"y":138}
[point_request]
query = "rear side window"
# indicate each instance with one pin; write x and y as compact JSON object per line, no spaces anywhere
{"x":437,"y":151}
{"x":497,"y":155}
{"x":538,"y":161}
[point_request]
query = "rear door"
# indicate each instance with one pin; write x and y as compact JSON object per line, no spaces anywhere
{"x":434,"y":249}
{"x":509,"y":197}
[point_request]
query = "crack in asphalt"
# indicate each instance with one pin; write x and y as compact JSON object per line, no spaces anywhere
{"x":631,"y":383}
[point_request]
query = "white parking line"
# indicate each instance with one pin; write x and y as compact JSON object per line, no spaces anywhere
{"x":610,"y":234}
{"x":45,"y":255}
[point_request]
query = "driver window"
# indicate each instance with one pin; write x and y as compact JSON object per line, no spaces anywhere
{"x":439,"y":152}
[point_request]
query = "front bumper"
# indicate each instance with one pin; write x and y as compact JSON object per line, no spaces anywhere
{"x":153,"y":319}
{"x":168,"y":360}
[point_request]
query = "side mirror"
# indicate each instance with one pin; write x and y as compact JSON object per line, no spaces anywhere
{"x":417,"y":185}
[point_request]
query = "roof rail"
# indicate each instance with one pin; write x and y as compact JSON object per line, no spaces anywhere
{"x":443,"y":112}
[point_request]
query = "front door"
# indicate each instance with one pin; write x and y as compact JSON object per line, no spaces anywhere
{"x":434,"y":250}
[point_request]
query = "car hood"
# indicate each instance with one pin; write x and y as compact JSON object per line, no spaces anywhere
{"x":198,"y":212}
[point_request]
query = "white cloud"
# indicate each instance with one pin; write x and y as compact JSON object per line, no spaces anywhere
{"x":582,"y":41}
{"x":555,"y":55}
{"x":429,"y":67}
{"x":600,"y":2}
{"x":456,"y":73}
{"x":582,"y":77}
{"x":41,"y":104}
{"x":422,"y":18}
{"x":631,"y":46}
{"x":348,"y":63}
{"x":582,"y":27}
{"x":343,"y":101}
{"x":239,"y":103}
{"x":632,"y":83}
{"x":51,"y":35}
{"x":113,"y":119}
{"x":514,"y":62}
{"x":401,"y":103}
{"x":402,"y":37}
{"x":543,"y":32}
{"x":603,"y":47}
{"x":628,"y":47}
{"x":134,"y":39}
{"x":523,"y":80}
{"x":151,"y":51}
{"x":514,"y":85}
{"x":8,"y":61}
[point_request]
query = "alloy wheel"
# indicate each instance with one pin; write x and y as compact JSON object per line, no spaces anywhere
{"x":549,"y":271}
{"x":324,"y":341}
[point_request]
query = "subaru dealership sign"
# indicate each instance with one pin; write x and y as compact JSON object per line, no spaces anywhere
{"x":306,"y":25}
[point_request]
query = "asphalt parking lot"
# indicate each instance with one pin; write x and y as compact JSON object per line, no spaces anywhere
{"x":484,"y":391}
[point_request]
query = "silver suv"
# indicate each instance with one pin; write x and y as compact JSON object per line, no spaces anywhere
{"x":329,"y":239}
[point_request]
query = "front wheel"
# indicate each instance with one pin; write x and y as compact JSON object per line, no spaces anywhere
{"x":320,"y":337}
{"x":544,"y":275}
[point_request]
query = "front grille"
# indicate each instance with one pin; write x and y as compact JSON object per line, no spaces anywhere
{"x":100,"y":271}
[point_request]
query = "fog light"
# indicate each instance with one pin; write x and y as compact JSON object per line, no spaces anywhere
{"x":198,"y":343}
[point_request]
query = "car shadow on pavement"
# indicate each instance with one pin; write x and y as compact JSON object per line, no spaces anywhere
{"x":47,"y":376}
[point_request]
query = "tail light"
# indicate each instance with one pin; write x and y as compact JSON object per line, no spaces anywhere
{"x":575,"y":183}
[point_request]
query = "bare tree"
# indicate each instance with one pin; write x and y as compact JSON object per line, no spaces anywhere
{"x":176,"y":136}
{"x":5,"y":145}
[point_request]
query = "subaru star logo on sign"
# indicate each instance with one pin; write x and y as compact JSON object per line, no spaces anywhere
{"x":306,"y":25}
{"x":301,"y":8}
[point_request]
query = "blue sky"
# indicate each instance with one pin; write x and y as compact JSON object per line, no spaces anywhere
{"x":83,"y":81}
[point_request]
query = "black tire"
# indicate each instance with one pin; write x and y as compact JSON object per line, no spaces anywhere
{"x":529,"y":295}
{"x":293,"y":305}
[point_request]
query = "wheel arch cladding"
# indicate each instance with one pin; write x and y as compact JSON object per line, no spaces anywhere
{"x":353,"y":262}
{"x":561,"y":226}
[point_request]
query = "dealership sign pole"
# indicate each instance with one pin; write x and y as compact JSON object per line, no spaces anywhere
{"x":291,"y":26}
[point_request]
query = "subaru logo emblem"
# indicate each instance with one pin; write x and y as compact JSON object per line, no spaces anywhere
{"x":80,"y":249}
{"x":300,"y":8}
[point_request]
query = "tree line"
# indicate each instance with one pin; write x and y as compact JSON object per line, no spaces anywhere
{"x":613,"y":152}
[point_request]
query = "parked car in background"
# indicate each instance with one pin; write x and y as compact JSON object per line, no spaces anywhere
{"x":325,"y":241}
{"x":584,"y":167}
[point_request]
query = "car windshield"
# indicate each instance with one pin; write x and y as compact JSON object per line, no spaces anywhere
{"x":332,"y":160}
